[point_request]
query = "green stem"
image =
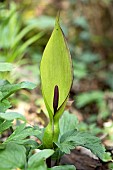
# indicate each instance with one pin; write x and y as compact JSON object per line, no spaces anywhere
{"x":48,"y":136}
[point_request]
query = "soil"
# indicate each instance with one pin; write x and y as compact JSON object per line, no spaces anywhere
{"x":83,"y":161}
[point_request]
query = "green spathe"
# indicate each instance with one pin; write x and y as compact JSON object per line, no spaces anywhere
{"x":56,"y":68}
{"x":56,"y":80}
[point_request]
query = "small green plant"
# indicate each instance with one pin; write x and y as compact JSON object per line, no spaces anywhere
{"x":61,"y":134}
{"x":97,"y":97}
{"x":12,"y":33}
{"x":56,"y":79}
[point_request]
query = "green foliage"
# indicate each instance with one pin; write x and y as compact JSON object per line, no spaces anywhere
{"x":37,"y":160}
{"x":89,"y":97}
{"x":12,"y":156}
{"x":73,"y":138}
{"x":111,"y":166}
{"x":4,"y":67}
{"x":43,"y":22}
{"x":80,"y":70}
{"x":12,"y":33}
{"x":4,"y":105}
{"x":81,"y":22}
{"x":5,"y":125}
{"x":19,"y":149}
{"x":69,"y":136}
{"x":65,"y":124}
{"x":7,"y":89}
{"x":65,"y":167}
{"x":11,"y":116}
{"x":22,"y":132}
{"x":97,"y":97}
{"x":108,"y":79}
{"x":92,"y":128}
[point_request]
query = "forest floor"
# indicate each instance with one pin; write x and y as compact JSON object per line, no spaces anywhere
{"x":83,"y":161}
{"x":82,"y":158}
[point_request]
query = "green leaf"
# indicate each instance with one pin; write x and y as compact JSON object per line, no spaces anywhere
{"x":29,"y":143}
{"x":81,"y":22}
{"x":64,"y":167}
{"x":7,"y":89}
{"x":4,"y":67}
{"x":89,"y":97}
{"x":22,"y":132}
{"x":94,"y":96}
{"x":21,"y":50}
{"x":12,"y":116}
{"x":4,"y":105}
{"x":73,"y":138}
{"x":21,"y":34}
{"x":80,"y":69}
{"x":39,"y":166}
{"x":13,"y":156}
{"x":42,"y":22}
{"x":89,"y":57}
{"x":5,"y":125}
{"x":65,"y":124}
{"x":34,"y":161}
{"x":107,"y":157}
{"x":56,"y":68}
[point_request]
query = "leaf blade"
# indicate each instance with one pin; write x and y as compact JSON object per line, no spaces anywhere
{"x":64,"y":167}
{"x":73,"y":138}
{"x":12,"y":116}
{"x":14,"y":155}
{"x":36,"y":158}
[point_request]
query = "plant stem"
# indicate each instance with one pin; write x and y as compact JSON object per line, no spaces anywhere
{"x":57,"y":162}
{"x":48,"y":161}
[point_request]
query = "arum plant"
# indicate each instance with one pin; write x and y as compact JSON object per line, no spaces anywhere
{"x":60,"y":136}
{"x":56,"y":80}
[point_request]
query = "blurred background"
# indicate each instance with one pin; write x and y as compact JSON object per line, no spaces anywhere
{"x":25,"y":28}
